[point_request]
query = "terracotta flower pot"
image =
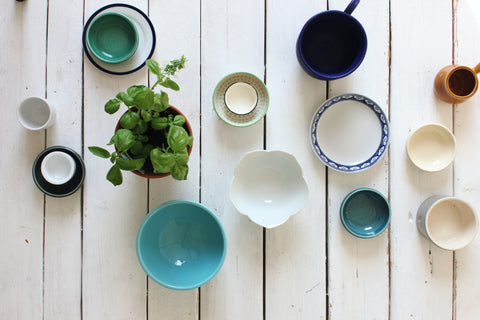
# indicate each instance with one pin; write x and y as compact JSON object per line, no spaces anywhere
{"x":148,"y":173}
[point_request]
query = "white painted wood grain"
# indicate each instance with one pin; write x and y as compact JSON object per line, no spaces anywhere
{"x":114,"y":284}
{"x":63,"y":216}
{"x":22,"y":74}
{"x":466,"y":183}
{"x":183,"y":38}
{"x":421,"y":273}
{"x":295,"y":251}
{"x":358,"y":270}
{"x":232,"y":34}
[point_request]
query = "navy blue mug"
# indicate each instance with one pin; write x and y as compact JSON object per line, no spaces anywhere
{"x":332,"y":44}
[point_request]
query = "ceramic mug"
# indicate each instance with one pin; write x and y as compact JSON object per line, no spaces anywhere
{"x":36,"y":113}
{"x":455,"y":84}
{"x":58,"y":167}
{"x":448,"y":222}
{"x":332,"y":44}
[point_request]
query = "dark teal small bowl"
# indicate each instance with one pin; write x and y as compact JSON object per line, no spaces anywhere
{"x":365,"y":213}
{"x":112,"y":37}
{"x":181,"y":245}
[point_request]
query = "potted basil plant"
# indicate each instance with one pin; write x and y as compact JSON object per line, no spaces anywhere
{"x":152,"y":139}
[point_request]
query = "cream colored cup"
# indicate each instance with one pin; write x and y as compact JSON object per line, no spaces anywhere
{"x":241,"y":98}
{"x":431,"y":147}
{"x":58,"y":167}
{"x":448,"y":222}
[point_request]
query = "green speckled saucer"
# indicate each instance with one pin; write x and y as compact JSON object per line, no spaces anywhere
{"x":240,"y":120}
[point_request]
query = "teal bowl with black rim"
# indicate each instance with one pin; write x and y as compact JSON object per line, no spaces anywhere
{"x":365,"y":213}
{"x":112,"y":37}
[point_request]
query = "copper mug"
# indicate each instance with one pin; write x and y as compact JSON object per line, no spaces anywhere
{"x":455,"y":84}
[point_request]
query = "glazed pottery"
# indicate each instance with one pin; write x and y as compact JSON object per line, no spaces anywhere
{"x":112,"y":37}
{"x":58,"y":167}
{"x":36,"y":113}
{"x":332,"y":44}
{"x":146,"y":40}
{"x":431,"y":147}
{"x":268,"y":187}
{"x":349,"y":133}
{"x":455,"y":84}
{"x":365,"y":213}
{"x":181,"y":245}
{"x":59,"y":190}
{"x":244,"y":115}
{"x":449,"y":222}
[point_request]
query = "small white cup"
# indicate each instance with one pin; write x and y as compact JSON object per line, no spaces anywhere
{"x":448,"y":222}
{"x":36,"y":113}
{"x":58,"y":167}
{"x":241,"y":98}
{"x":431,"y":147}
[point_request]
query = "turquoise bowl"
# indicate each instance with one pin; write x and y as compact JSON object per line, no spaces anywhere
{"x":181,"y":244}
{"x":365,"y":213}
{"x":112,"y":37}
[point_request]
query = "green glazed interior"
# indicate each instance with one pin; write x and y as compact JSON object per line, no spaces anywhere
{"x":112,"y":37}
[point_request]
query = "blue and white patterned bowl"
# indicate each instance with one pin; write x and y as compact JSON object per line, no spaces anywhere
{"x":349,"y":133}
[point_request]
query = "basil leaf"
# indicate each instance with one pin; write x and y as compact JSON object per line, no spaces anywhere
{"x":141,"y":138}
{"x":141,"y":127}
{"x":114,"y":175}
{"x":130,"y":165}
{"x":146,"y":150}
{"x":137,"y":148}
{"x":153,"y":66}
{"x":190,"y":140}
{"x":147,"y":116}
{"x":125,"y":98}
{"x":99,"y":152}
{"x":162,"y":162}
{"x":160,"y":102}
{"x":144,"y":99}
{"x":177,"y":138}
{"x":129,"y":120}
{"x":124,"y":140}
{"x":179,"y":120}
{"x":112,"y":106}
{"x":179,"y":171}
{"x":182,"y":157}
{"x":133,"y":90}
{"x":159,"y":123}
{"x":169,"y":83}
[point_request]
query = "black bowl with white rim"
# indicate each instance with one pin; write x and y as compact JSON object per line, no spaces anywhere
{"x":59,"y":190}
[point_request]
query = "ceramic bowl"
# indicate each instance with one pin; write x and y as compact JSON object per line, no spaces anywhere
{"x":449,"y":222}
{"x":240,"y":116}
{"x":181,"y":245}
{"x":431,"y":147}
{"x":146,"y":40}
{"x":349,"y":133}
{"x":112,"y":37}
{"x":268,"y":187}
{"x":365,"y":213}
{"x":66,"y":188}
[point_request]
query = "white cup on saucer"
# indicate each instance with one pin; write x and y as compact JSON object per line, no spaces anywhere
{"x":241,"y":98}
{"x":36,"y":113}
{"x":58,"y":167}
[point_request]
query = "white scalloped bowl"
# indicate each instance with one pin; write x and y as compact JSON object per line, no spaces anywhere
{"x":268,"y":187}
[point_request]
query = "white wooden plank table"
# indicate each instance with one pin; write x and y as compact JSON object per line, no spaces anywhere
{"x":74,"y":257}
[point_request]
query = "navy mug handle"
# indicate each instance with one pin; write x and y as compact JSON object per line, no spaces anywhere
{"x":351,"y":6}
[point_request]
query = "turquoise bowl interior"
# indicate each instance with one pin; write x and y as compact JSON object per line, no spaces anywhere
{"x":365,"y":213}
{"x":112,"y":37}
{"x":181,"y":245}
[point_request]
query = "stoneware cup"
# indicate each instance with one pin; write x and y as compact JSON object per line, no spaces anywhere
{"x":112,"y":37}
{"x":36,"y":113}
{"x":241,"y":98}
{"x":448,"y":222}
{"x":455,"y":84}
{"x":332,"y":44}
{"x":365,"y":213}
{"x":58,"y":167}
{"x":431,"y":147}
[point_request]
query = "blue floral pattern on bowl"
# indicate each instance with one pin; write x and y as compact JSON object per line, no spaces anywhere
{"x":382,"y":147}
